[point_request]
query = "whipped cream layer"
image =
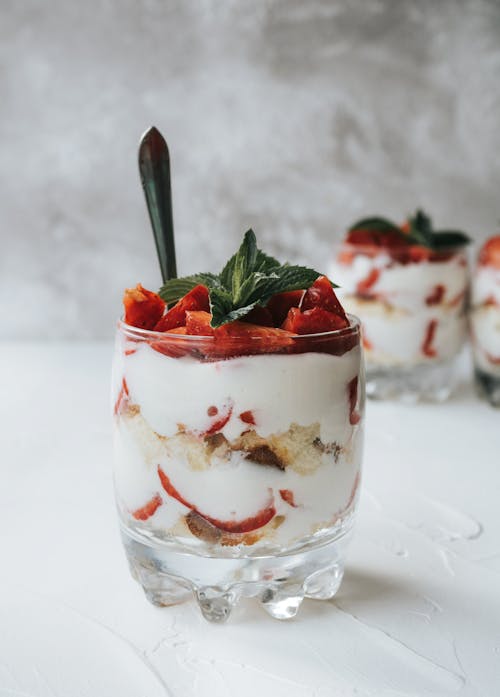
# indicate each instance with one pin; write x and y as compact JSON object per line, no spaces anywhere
{"x":485,"y":319}
{"x":411,"y":313}
{"x":206,"y":425}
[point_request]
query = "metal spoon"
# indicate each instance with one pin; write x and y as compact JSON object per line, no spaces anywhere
{"x":154,"y":168}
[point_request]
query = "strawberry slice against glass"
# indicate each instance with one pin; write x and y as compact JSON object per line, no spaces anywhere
{"x":149,"y":509}
{"x":313,"y":321}
{"x":261,"y":518}
{"x":143,"y":308}
{"x":280,"y":303}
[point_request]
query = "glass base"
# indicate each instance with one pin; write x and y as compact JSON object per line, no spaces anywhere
{"x":488,"y":386}
{"x":428,"y":382}
{"x":170,"y":575}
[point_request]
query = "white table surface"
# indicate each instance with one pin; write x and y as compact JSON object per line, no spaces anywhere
{"x":418,"y":612}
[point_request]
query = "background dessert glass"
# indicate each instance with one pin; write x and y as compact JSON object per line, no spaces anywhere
{"x":237,"y":475}
{"x":485,"y":321}
{"x":412,"y":303}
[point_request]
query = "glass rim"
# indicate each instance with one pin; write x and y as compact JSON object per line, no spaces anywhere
{"x":149,"y":334}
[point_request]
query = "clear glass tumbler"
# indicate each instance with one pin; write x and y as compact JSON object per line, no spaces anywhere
{"x":237,"y":464}
{"x":485,"y":321}
{"x":412,"y":303}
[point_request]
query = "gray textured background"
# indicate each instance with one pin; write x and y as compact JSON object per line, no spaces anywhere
{"x":289,"y":116}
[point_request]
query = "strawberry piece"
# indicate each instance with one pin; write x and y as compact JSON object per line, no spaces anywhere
{"x":321,"y":294}
{"x":196,"y":299}
{"x":313,"y":321}
{"x":436,"y":295}
{"x":198,"y":323}
{"x":279,"y":304}
{"x":174,"y":349}
{"x":254,"y":522}
{"x":492,"y":359}
{"x":490,"y":253}
{"x":352,"y":389}
{"x":129,"y":352}
{"x":247,"y":417}
{"x":240,"y":338}
{"x":148,"y":509}
{"x":427,"y":348}
{"x":376,"y":238}
{"x":220,"y":421}
{"x":122,"y":398}
{"x":288,"y":496}
{"x":143,"y":308}
{"x":366,"y":283}
{"x":259,"y":315}
{"x":367,"y":344}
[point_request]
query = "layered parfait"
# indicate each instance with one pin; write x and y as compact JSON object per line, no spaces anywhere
{"x":485,"y":319}
{"x":238,"y":408}
{"x":409,"y":286}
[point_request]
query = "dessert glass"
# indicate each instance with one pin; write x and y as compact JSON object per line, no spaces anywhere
{"x":237,"y":469}
{"x":485,"y":324}
{"x":412,"y":303}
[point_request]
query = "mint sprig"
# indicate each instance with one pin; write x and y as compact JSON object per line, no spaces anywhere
{"x":249,"y":278}
{"x":421,"y":231}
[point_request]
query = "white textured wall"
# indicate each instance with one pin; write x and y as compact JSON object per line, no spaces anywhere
{"x":289,"y":116}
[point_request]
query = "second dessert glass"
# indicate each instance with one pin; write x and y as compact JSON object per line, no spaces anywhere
{"x":412,"y":302}
{"x":237,"y":467}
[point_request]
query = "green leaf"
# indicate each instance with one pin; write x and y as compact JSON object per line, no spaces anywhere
{"x":176,"y":288}
{"x":450,"y":238}
{"x":376,"y":224}
{"x":249,"y":278}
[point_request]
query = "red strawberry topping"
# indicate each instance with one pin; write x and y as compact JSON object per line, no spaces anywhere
{"x":490,"y":253}
{"x":247,"y":417}
{"x":259,"y":315}
{"x":254,"y":522}
{"x":196,"y":299}
{"x":352,"y":388}
{"x":427,"y":348}
{"x":436,"y":295}
{"x":288,"y":496}
{"x":365,"y":284}
{"x":122,"y":398}
{"x":321,"y":294}
{"x":279,"y":304}
{"x":148,"y":509}
{"x":314,"y":321}
{"x":220,"y":421}
{"x":143,"y":308}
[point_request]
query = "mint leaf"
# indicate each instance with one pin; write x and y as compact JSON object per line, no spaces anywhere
{"x":248,"y":279}
{"x":376,"y":224}
{"x":176,"y":288}
{"x":422,"y":232}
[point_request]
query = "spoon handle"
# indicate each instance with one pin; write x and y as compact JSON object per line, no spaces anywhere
{"x":154,"y":168}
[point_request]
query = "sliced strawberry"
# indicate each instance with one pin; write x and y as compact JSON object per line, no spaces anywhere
{"x":352,"y":389}
{"x":129,"y":352}
{"x":366,"y":283}
{"x":222,"y":417}
{"x":247,"y":417}
{"x":143,"y":308}
{"x":240,"y":338}
{"x":490,"y":253}
{"x":122,"y":398}
{"x":259,"y":315}
{"x":288,"y":496}
{"x":436,"y":296}
{"x":196,"y":299}
{"x":198,"y":323}
{"x":367,"y":344}
{"x":376,"y":238}
{"x":254,"y":522}
{"x":321,"y":294}
{"x":174,"y":349}
{"x":148,"y":509}
{"x":314,"y":321}
{"x":279,"y":304}
{"x":427,"y":348}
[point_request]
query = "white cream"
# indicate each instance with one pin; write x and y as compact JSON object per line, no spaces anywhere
{"x":397,"y":316}
{"x":279,"y":390}
{"x":485,"y":319}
